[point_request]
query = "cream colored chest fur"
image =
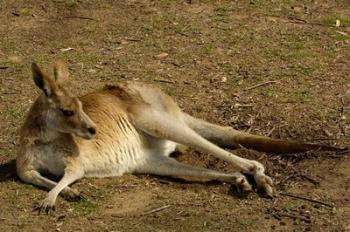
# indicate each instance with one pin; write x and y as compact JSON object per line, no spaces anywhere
{"x":104,"y":156}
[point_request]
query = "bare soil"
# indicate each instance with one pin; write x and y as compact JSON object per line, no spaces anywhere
{"x":208,"y":55}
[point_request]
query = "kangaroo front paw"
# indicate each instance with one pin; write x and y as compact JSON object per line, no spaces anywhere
{"x":72,"y":194}
{"x":45,"y":206}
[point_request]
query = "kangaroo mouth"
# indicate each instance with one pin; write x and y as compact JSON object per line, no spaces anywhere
{"x":86,"y":135}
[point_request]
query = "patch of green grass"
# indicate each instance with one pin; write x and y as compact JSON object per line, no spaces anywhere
{"x":295,"y":45}
{"x":258,"y":3}
{"x":270,"y":93}
{"x":6,"y":63}
{"x":326,"y":115}
{"x":71,"y":3}
{"x":17,"y":114}
{"x":26,"y":11}
{"x":42,"y":59}
{"x":341,"y":37}
{"x":149,"y":73}
{"x":331,"y":20}
{"x":123,"y":60}
{"x":300,"y":68}
{"x":85,"y":207}
{"x":244,"y":224}
{"x":292,"y":205}
{"x":299,"y":54}
{"x":301,"y":96}
{"x":221,"y":14}
{"x":208,"y":48}
{"x":28,"y":186}
{"x":91,"y":26}
{"x":147,"y":29}
{"x":184,"y":28}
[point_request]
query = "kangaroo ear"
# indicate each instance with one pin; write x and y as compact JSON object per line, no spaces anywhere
{"x":44,"y":82}
{"x":61,"y":73}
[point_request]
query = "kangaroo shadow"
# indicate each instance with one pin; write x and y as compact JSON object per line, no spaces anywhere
{"x":8,"y":171}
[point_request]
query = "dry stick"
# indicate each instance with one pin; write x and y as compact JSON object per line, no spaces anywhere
{"x":81,"y":17}
{"x":270,"y":132}
{"x":306,"y":199}
{"x":261,"y":84}
{"x":315,"y":182}
{"x":157,"y":209}
{"x":345,"y":152}
{"x":278,"y":217}
{"x":165,"y":81}
{"x":133,"y":39}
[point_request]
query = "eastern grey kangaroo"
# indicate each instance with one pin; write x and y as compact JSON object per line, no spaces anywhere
{"x":129,"y":127}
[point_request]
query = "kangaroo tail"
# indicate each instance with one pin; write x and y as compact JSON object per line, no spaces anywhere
{"x":266,"y":144}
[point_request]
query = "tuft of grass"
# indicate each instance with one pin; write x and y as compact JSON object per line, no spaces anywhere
{"x":301,"y":69}
{"x":91,"y":26}
{"x":292,"y":205}
{"x":71,"y":3}
{"x":221,"y":14}
{"x":15,"y":113}
{"x":85,"y":207}
{"x":26,"y":11}
{"x":331,"y":20}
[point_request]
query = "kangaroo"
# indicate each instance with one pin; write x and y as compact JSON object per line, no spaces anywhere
{"x":129,"y":127}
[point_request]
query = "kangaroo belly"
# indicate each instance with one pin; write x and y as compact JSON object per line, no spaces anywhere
{"x":114,"y":160}
{"x":117,"y":159}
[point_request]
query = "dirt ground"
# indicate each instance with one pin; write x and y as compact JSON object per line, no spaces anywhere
{"x":209,"y":55}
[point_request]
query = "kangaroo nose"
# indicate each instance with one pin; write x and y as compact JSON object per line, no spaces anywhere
{"x":92,"y":130}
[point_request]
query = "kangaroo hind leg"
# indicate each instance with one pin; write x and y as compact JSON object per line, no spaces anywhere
{"x":164,"y":125}
{"x":166,"y":166}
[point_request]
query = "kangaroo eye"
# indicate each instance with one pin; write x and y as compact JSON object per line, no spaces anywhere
{"x":67,"y":113}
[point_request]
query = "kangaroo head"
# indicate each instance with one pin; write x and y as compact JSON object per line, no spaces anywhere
{"x":64,"y":112}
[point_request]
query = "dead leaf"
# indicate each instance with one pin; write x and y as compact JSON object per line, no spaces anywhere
{"x":162,"y":55}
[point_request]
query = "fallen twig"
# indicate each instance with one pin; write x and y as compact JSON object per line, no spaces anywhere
{"x":275,"y":215}
{"x":344,"y":152}
{"x":164,"y":81}
{"x":270,"y":132}
{"x":157,"y":209}
{"x":315,"y":182}
{"x":133,"y":39}
{"x":306,"y":199}
{"x":4,"y":67}
{"x":81,"y":17}
{"x":261,"y":84}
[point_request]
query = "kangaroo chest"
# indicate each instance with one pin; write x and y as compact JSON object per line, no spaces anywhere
{"x":51,"y":157}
